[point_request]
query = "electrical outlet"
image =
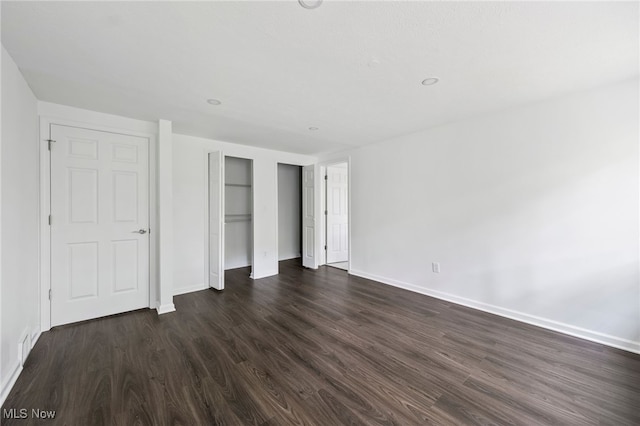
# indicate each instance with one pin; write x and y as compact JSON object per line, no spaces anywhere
{"x":435,"y":267}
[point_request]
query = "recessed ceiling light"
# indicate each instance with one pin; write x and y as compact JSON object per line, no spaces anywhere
{"x":373,"y":63}
{"x":430,"y":81}
{"x":313,"y":128}
{"x":310,"y":4}
{"x":213,"y":101}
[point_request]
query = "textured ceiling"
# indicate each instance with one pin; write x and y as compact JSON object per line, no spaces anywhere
{"x":352,"y":69}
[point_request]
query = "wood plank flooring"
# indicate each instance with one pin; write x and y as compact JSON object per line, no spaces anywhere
{"x":321,"y":348}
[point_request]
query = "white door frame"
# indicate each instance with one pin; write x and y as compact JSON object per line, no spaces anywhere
{"x":321,"y":188}
{"x":45,"y":209}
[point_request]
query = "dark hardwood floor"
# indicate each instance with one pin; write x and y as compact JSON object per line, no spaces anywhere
{"x":322,"y":348}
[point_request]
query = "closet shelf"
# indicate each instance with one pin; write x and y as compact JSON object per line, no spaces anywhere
{"x":240,"y":185}
{"x":229,"y":218}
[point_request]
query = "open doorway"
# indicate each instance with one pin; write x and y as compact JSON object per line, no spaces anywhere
{"x":289,"y":212}
{"x":336,"y":224}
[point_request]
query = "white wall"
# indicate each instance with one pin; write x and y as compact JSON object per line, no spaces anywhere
{"x":532,"y":213}
{"x":4,"y":386}
{"x":189,"y":173}
{"x":19,"y":203}
{"x":289,"y":214}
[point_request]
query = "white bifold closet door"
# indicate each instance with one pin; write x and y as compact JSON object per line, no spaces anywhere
{"x":216,"y":220}
{"x":309,"y":259}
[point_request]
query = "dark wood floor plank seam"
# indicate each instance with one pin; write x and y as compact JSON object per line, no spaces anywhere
{"x":321,"y":347}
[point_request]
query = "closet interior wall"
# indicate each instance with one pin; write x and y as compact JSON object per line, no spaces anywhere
{"x":238,"y":209}
{"x":289,"y":211}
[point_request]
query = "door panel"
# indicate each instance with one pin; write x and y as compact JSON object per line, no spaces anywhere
{"x":216,"y":225}
{"x":337,"y":214}
{"x":99,"y":202}
{"x":308,"y":218}
{"x":125,"y":194}
{"x":125,"y":264}
{"x":83,"y":270}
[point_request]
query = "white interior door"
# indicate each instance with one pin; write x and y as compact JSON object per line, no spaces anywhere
{"x":216,"y":219}
{"x":337,"y":214}
{"x":308,"y":218}
{"x":99,"y":224}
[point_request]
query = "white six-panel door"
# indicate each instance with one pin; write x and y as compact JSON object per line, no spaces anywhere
{"x":99,"y":224}
{"x":337,"y":214}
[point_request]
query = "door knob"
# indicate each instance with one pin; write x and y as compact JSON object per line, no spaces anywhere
{"x":140,"y":231}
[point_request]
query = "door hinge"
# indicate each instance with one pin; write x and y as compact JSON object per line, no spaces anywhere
{"x":49,"y":294}
{"x":326,"y":177}
{"x":49,"y":220}
{"x":325,"y":247}
{"x":326,"y":212}
{"x":50,"y":141}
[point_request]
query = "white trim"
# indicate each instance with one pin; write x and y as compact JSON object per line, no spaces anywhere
{"x":35,"y":336}
{"x":264,"y":274}
{"x":190,"y":289}
{"x":205,"y":156}
{"x":165,"y":213}
{"x":8,"y":385}
{"x":45,"y":231}
{"x":295,"y":256}
{"x":58,"y":112}
{"x":45,"y":205}
{"x":583,"y":333}
{"x":24,"y":336}
{"x":153,"y":221}
{"x":165,"y":309}
{"x":252,"y":274}
{"x":277,"y":225}
{"x":18,"y":367}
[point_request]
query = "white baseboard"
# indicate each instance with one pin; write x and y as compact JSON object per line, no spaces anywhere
{"x":237,"y":265}
{"x":190,"y":289}
{"x":264,"y":275}
{"x":6,"y":386}
{"x":290,"y":256}
{"x":35,"y":336}
{"x":591,"y":335}
{"x":165,"y":309}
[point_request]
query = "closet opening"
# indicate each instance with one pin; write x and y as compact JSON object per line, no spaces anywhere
{"x":238,"y":213}
{"x":289,"y":212}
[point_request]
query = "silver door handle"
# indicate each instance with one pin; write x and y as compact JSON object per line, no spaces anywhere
{"x":140,"y":231}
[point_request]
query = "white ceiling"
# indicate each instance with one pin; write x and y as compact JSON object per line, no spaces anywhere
{"x":352,"y":69}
